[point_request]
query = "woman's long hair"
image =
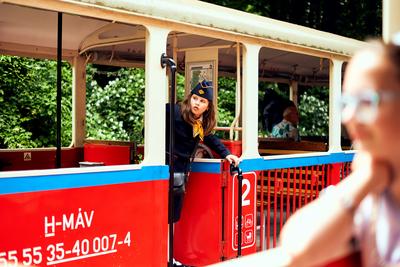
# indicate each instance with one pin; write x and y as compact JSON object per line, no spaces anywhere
{"x":209,"y":120}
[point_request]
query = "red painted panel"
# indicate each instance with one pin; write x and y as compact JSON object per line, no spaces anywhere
{"x":33,"y":159}
{"x":334,"y":176}
{"x":108,"y":154}
{"x":248,"y":215}
{"x":114,"y":225}
{"x":197,"y":238}
{"x":234,"y":146}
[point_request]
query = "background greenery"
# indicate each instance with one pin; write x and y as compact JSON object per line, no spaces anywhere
{"x":28,"y":103}
{"x":115,"y":111}
{"x":358,"y":19}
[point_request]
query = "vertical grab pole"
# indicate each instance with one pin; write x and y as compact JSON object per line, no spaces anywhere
{"x":171,"y":64}
{"x":59,"y":91}
{"x":240,"y":185}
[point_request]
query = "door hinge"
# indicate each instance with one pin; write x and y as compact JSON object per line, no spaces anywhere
{"x":225,"y":175}
{"x":223,"y":244}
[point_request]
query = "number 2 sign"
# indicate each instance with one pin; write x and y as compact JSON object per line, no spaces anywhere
{"x":248,"y":228}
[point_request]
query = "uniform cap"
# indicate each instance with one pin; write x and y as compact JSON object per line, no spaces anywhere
{"x":204,"y":89}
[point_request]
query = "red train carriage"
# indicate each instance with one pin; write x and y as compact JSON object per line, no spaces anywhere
{"x":114,"y":212}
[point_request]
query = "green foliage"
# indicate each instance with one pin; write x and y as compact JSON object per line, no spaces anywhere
{"x":226,"y":101}
{"x":180,"y":87}
{"x":28,"y":102}
{"x":226,"y":104}
{"x":356,"y":18}
{"x":116,"y":111}
{"x":313,"y":115}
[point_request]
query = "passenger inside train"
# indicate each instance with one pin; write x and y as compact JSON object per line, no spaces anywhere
{"x":287,"y":128}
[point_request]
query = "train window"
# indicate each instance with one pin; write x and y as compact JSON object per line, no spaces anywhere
{"x":28,"y":89}
{"x":115,"y":92}
{"x":293,"y":102}
{"x":111,"y":55}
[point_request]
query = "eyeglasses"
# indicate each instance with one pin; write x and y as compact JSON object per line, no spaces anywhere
{"x":364,"y":106}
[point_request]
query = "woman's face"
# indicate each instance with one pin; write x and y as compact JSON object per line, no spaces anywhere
{"x":376,"y":132}
{"x":198,"y":105}
{"x":293,"y":116}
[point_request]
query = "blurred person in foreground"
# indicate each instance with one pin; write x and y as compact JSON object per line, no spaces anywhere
{"x":362,"y":211}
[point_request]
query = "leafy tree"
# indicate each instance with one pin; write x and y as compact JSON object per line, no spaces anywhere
{"x":180,"y":86}
{"x":226,"y":101}
{"x":226,"y":104}
{"x":313,"y":115}
{"x":116,"y":111}
{"x":28,"y":102}
{"x":331,"y":16}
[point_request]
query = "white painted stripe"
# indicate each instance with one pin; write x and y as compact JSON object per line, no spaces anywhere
{"x":82,"y":257}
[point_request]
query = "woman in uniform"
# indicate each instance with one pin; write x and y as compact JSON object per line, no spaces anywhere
{"x":194,"y":122}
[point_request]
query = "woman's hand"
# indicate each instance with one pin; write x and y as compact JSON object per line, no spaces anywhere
{"x":233,"y":159}
{"x":378,"y":174}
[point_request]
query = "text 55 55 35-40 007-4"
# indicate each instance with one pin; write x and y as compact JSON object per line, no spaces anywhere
{"x":58,"y":253}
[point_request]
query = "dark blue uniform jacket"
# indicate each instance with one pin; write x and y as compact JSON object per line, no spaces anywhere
{"x":185,"y":143}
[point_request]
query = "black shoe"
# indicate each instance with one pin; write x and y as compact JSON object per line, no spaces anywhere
{"x":181,"y":265}
{"x":178,"y":264}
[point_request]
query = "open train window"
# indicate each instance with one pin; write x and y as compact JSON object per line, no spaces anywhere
{"x":293,"y":102}
{"x":109,"y":54}
{"x":115,"y":94}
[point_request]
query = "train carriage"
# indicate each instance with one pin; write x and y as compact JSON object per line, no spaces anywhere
{"x":54,"y":212}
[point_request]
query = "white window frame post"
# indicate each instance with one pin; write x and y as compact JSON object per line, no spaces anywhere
{"x":155,"y":95}
{"x":335,"y":93}
{"x":250,"y":101}
{"x":78,"y":101}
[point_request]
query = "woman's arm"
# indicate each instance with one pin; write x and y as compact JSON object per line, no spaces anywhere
{"x":215,"y":144}
{"x":322,"y":230}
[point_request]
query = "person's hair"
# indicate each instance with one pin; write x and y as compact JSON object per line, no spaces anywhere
{"x":390,"y":52}
{"x":289,"y":110}
{"x":209,"y":120}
